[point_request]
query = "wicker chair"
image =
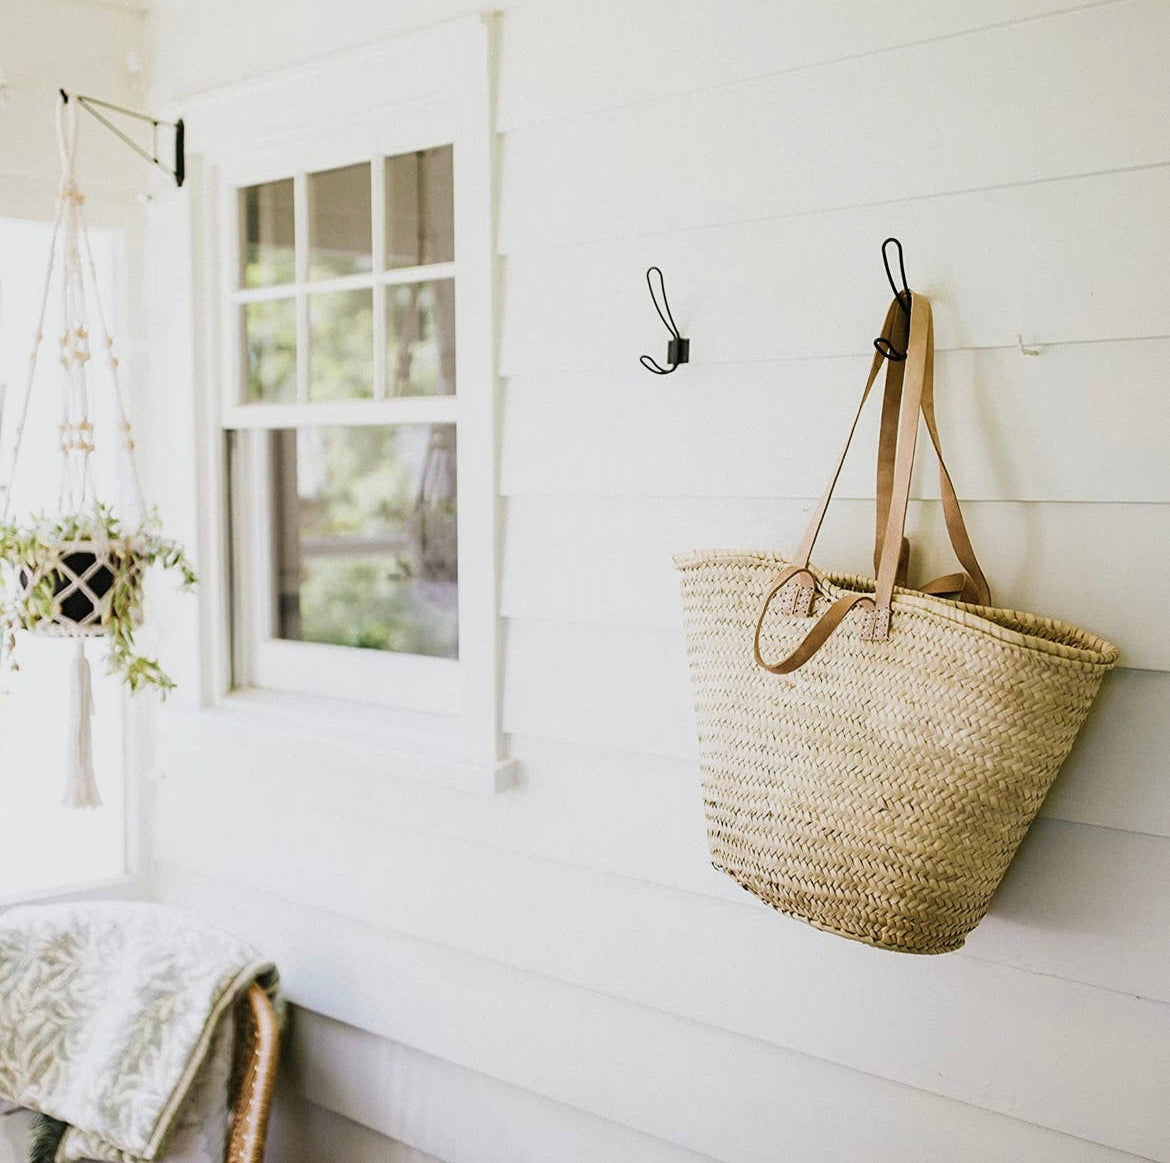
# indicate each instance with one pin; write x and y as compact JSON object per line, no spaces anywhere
{"x":257,"y":1049}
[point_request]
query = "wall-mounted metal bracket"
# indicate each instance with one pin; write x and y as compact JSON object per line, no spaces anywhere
{"x":91,"y":105}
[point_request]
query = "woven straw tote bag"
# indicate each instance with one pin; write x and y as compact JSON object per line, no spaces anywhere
{"x":873,"y":754}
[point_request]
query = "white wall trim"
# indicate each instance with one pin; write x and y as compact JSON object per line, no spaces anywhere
{"x":244,"y":133}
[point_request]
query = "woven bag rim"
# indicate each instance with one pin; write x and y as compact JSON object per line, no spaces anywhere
{"x":1031,"y":632}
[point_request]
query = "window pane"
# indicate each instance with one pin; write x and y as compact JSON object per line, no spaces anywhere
{"x":420,"y":339}
{"x":267,"y":214}
{"x":420,"y":208}
{"x":341,"y":345}
{"x":270,"y":344}
{"x":339,"y":223}
{"x":366,"y":537}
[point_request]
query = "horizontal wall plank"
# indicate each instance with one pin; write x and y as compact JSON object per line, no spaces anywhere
{"x":625,"y":688}
{"x":679,"y":951}
{"x":1026,"y":102}
{"x":455,"y":1114}
{"x":995,"y":264}
{"x":1013,"y":428}
{"x":563,"y":59}
{"x":1115,"y":775}
{"x":562,"y":813}
{"x":609,"y":561}
{"x":300,"y":1132}
{"x":1085,"y":904}
{"x":715,"y":1093}
{"x":210,"y":45}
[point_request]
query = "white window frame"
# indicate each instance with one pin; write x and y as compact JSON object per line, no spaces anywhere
{"x":428,"y":89}
{"x":263,"y":659}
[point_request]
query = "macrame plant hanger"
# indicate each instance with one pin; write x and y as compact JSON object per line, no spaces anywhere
{"x":81,"y":577}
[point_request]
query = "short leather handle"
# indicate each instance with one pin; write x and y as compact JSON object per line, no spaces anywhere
{"x":815,"y":638}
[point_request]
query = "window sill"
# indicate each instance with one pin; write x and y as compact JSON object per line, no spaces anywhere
{"x":398,"y":744}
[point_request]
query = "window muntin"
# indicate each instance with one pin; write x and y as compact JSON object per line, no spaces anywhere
{"x":337,"y":300}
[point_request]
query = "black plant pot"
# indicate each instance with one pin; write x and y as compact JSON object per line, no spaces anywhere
{"x":77,"y":606}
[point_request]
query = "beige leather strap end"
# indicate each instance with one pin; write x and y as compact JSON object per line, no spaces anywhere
{"x":796,"y":596}
{"x":877,"y":625}
{"x":796,"y":587}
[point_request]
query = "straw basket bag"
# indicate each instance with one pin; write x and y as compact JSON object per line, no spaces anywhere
{"x":873,"y":754}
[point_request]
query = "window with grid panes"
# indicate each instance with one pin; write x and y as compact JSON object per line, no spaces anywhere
{"x":344,"y":475}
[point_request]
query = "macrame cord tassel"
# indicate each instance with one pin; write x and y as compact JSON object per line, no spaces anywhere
{"x":80,"y":785}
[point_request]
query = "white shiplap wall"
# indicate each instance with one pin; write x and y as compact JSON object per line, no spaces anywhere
{"x":555,"y":974}
{"x":83,"y":46}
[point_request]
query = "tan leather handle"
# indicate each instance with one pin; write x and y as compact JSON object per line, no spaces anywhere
{"x":816,"y":637}
{"x":898,"y":339}
{"x":896,"y":329}
{"x":919,"y":367}
{"x":975,"y":587}
{"x":909,"y":393}
{"x":804,"y":551}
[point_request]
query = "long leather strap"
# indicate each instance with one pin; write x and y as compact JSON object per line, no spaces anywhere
{"x":973,"y":585}
{"x":804,"y":550}
{"x":894,"y":329}
{"x":977,"y":587}
{"x":918,"y":368}
{"x":888,"y":436}
{"x":909,"y":392}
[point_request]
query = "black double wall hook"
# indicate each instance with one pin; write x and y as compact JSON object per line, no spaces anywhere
{"x":678,"y":349}
{"x":902,"y":294}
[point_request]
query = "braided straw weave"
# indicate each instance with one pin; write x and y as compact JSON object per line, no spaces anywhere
{"x":879,"y":792}
{"x":877,"y":785}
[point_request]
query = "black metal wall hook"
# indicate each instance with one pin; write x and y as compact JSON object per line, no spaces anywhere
{"x":678,"y":349}
{"x":91,"y":106}
{"x":902,"y":294}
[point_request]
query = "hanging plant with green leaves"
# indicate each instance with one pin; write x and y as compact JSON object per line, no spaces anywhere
{"x":80,"y":572}
{"x":84,"y":575}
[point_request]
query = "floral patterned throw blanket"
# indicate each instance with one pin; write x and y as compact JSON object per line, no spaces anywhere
{"x":116,"y":1018}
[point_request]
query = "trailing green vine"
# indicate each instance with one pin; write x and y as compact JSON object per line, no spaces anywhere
{"x":34,"y":553}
